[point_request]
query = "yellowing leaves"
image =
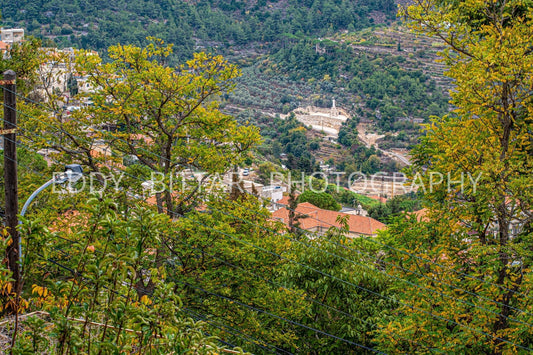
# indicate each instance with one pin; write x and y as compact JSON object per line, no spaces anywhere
{"x":40,"y":290}
{"x":146,"y":300}
{"x":7,"y":288}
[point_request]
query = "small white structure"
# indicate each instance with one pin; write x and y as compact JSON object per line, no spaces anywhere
{"x":101,"y":148}
{"x":327,"y":120}
{"x":273,"y":192}
{"x":84,"y":86}
{"x":58,"y":72}
{"x":12,"y":35}
{"x":334,"y":112}
{"x":358,"y":211}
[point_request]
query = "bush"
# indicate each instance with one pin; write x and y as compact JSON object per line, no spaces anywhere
{"x":320,"y":199}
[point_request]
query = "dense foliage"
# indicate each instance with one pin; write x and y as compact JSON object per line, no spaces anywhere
{"x":102,"y":306}
{"x":393,"y":207}
{"x":157,"y":278}
{"x":320,"y":199}
{"x":389,"y":91}
{"x":288,"y":137}
{"x":98,"y":25}
{"x":475,"y":242}
{"x":195,"y":271}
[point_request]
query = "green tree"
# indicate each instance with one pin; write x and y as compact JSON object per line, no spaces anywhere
{"x":480,"y":266}
{"x":393,"y":207}
{"x":320,"y":199}
{"x":175,"y":112}
{"x":28,"y":179}
{"x":166,"y":117}
{"x":24,"y":59}
{"x":234,"y":255}
{"x":88,"y":283}
{"x":351,"y":311}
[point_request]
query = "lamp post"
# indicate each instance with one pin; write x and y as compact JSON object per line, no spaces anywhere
{"x":73,"y":172}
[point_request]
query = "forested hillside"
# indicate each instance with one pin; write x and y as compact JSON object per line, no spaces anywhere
{"x":147,"y":251}
{"x":99,"y":24}
{"x":389,"y":87}
{"x":293,"y":54}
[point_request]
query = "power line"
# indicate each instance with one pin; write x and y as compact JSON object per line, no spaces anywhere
{"x":232,"y":330}
{"x":198,"y":318}
{"x":290,"y":321}
{"x":359,"y":287}
{"x":415,"y":256}
{"x":285,"y":288}
{"x":76,"y":273}
{"x":374,"y":241}
{"x":424,"y":276}
{"x":364,"y":289}
{"x":392,"y":276}
{"x":232,"y":300}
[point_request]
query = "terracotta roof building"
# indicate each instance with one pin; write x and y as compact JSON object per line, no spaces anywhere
{"x":317,"y":220}
{"x":3,"y":46}
{"x":421,"y":215}
{"x":284,"y":201}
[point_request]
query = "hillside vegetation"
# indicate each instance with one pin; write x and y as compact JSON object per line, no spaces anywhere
{"x":99,"y":24}
{"x":293,"y":53}
{"x":155,"y":255}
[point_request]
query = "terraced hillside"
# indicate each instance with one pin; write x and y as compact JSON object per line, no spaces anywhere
{"x":420,"y":52}
{"x":384,"y":76}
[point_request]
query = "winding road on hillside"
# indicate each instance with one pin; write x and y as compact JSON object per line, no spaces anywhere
{"x":370,"y":139}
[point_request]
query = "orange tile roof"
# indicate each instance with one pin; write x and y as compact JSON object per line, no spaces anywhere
{"x":318,"y":217}
{"x":421,"y":215}
{"x":152,"y":199}
{"x":284,"y":201}
{"x":4,"y":46}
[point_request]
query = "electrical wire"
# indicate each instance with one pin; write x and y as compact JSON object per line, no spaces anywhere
{"x":381,"y":271}
{"x":78,"y":274}
{"x":410,"y":271}
{"x":256,"y":309}
{"x":370,"y":291}
{"x":232,"y":330}
{"x":366,"y":238}
{"x":295,"y":292}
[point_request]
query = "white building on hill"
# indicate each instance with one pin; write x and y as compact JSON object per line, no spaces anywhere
{"x":12,"y":35}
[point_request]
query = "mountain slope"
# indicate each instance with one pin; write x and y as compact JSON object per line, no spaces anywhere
{"x":98,"y":24}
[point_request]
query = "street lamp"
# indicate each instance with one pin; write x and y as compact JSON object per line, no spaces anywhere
{"x":73,"y":172}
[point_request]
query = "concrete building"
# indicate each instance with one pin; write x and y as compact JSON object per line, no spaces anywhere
{"x":12,"y":35}
{"x":273,"y":192}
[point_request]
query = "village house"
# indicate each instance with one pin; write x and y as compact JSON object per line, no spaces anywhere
{"x":12,"y":35}
{"x":317,"y":220}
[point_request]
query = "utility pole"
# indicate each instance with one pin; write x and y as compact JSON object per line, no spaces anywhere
{"x":10,"y":175}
